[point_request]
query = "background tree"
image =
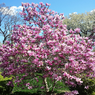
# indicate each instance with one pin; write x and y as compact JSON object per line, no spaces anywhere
{"x":7,"y":19}
{"x":83,"y":21}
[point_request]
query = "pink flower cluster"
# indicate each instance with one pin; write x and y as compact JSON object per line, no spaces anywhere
{"x":71,"y":93}
{"x":55,"y":54}
{"x":28,"y":85}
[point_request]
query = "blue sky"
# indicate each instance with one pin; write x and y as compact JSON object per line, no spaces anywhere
{"x":60,"y":6}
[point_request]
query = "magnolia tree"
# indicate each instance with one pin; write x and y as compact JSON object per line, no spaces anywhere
{"x":43,"y":49}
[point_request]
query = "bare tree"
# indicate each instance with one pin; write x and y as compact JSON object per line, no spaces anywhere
{"x":7,"y":20}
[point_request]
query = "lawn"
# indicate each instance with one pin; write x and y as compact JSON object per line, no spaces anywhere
{"x":59,"y":88}
{"x":37,"y":90}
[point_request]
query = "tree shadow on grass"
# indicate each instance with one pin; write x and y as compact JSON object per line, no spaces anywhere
{"x":27,"y":93}
{"x":24,"y":93}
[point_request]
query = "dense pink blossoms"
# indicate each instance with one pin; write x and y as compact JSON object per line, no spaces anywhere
{"x":58,"y":53}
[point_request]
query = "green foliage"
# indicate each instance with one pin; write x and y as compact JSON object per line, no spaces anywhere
{"x":93,"y":93}
{"x":83,"y":90}
{"x":19,"y":88}
{"x":4,"y":79}
{"x":83,"y":21}
{"x":5,"y":89}
{"x":91,"y":84}
{"x":94,"y":50}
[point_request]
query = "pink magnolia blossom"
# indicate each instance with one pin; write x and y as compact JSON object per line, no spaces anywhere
{"x":27,"y":85}
{"x":58,"y":53}
{"x":30,"y":87}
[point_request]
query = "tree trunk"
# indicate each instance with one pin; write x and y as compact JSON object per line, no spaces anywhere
{"x":46,"y":85}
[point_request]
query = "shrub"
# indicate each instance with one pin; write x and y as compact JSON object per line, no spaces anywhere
{"x":87,"y":88}
{"x":4,"y":88}
{"x":93,"y":93}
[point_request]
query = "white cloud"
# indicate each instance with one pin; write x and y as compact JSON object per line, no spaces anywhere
{"x":20,"y":7}
{"x":11,"y":11}
{"x":92,"y":11}
{"x":73,"y":13}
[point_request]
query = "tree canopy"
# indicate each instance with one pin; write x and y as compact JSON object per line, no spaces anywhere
{"x":54,"y":55}
{"x":83,"y":21}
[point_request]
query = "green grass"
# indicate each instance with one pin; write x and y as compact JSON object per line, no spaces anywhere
{"x":60,"y":87}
